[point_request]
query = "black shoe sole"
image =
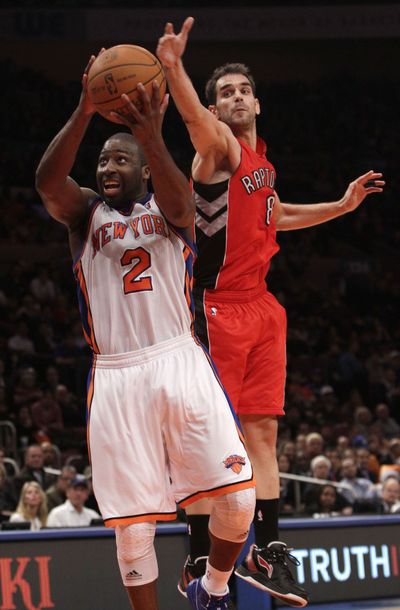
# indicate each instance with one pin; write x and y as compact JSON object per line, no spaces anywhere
{"x":252,"y":578}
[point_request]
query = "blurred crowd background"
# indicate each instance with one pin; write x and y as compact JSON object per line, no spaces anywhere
{"x":339,"y":282}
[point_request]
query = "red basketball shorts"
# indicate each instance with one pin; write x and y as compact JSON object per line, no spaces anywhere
{"x":246,"y":337}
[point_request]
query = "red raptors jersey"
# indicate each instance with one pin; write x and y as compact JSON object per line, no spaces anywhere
{"x":235,"y":231}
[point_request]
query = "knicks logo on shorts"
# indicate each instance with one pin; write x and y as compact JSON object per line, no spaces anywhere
{"x":236,"y":462}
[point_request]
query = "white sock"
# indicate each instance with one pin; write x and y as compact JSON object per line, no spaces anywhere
{"x":215,"y":582}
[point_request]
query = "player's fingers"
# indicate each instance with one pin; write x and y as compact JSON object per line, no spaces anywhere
{"x":169,"y":28}
{"x":164,"y":104}
{"x":379,"y":184}
{"x":155,"y":95}
{"x":89,"y":64}
{"x":373,"y":189}
{"x":367,"y":176}
{"x":187,"y":26}
{"x":132,"y":108}
{"x":120,"y":118}
{"x":144,"y":98}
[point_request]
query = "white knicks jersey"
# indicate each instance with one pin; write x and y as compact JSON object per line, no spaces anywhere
{"x":134,"y":278}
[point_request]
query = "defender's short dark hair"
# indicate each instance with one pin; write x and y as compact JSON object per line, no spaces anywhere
{"x":230,"y":68}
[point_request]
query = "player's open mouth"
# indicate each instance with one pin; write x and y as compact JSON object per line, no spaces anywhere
{"x":111,"y":187}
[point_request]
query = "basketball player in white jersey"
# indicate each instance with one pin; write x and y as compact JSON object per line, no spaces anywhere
{"x":160,"y":427}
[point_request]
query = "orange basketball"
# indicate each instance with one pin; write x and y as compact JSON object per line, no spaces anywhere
{"x":118,"y":70}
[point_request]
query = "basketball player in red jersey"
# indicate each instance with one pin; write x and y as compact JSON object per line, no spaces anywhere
{"x":241,"y":323}
{"x":160,"y":427}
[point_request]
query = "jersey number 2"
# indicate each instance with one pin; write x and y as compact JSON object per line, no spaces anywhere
{"x":142,"y":261}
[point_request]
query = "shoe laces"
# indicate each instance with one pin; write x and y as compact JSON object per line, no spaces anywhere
{"x":280,"y":556}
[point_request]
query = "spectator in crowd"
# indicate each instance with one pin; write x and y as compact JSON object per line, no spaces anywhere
{"x":286,"y":487}
{"x":52,"y":378}
{"x":57,"y":493}
{"x":392,"y":453}
{"x":342,"y":444}
{"x":362,"y":421}
{"x":358,"y":491}
{"x":51,"y":455}
{"x":375,"y":445}
{"x":336,"y":463}
{"x":32,"y":506}
{"x":33,"y":469}
{"x":20,"y":343}
{"x":47,"y":416}
{"x":42,"y":286}
{"x":73,"y":512}
{"x":367,"y":465}
{"x":7,"y":497}
{"x":72,"y":414}
{"x":11,"y":468}
{"x":27,"y":390}
{"x":328,"y":502}
{"x":321,"y":469}
{"x":314,"y":444}
{"x":389,"y":495}
{"x":385,"y":424}
{"x":289,"y":449}
{"x":25,"y":427}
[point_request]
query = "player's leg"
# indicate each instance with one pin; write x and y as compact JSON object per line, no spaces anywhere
{"x":260,"y":432}
{"x":138,"y":563}
{"x":230,"y":520}
{"x":261,"y":401}
{"x":143,"y":597}
{"x":197,"y":517}
{"x":216,"y":326}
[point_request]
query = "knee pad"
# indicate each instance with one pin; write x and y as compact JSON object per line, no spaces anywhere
{"x":136,"y":554}
{"x":232,"y":514}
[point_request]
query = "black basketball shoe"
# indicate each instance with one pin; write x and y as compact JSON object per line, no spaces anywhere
{"x":191,"y":571}
{"x":268,"y":569}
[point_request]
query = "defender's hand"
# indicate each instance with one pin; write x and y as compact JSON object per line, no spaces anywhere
{"x":171,"y":46}
{"x":360,"y":188}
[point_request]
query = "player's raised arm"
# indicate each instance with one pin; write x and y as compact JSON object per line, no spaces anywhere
{"x":170,"y":185}
{"x":209,"y":136}
{"x":64,"y":199}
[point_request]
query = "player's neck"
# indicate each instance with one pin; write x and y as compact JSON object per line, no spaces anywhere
{"x":247,"y":135}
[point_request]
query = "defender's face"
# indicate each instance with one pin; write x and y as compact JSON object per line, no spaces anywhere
{"x":121,"y":178}
{"x":235,"y":102}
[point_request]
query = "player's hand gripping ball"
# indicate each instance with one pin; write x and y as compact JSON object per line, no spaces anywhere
{"x":118,"y":70}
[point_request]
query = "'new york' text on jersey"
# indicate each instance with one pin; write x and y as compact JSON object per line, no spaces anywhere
{"x":127,"y":275}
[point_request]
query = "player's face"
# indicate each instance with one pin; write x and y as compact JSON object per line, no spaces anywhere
{"x":235,"y":102}
{"x":121,"y":177}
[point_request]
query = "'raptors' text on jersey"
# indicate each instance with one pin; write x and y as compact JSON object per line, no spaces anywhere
{"x":128,"y":273}
{"x":235,"y":230}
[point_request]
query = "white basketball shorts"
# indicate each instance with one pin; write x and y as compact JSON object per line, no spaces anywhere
{"x":161,"y":431}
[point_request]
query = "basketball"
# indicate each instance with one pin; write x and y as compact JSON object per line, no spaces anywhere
{"x":118,"y":70}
